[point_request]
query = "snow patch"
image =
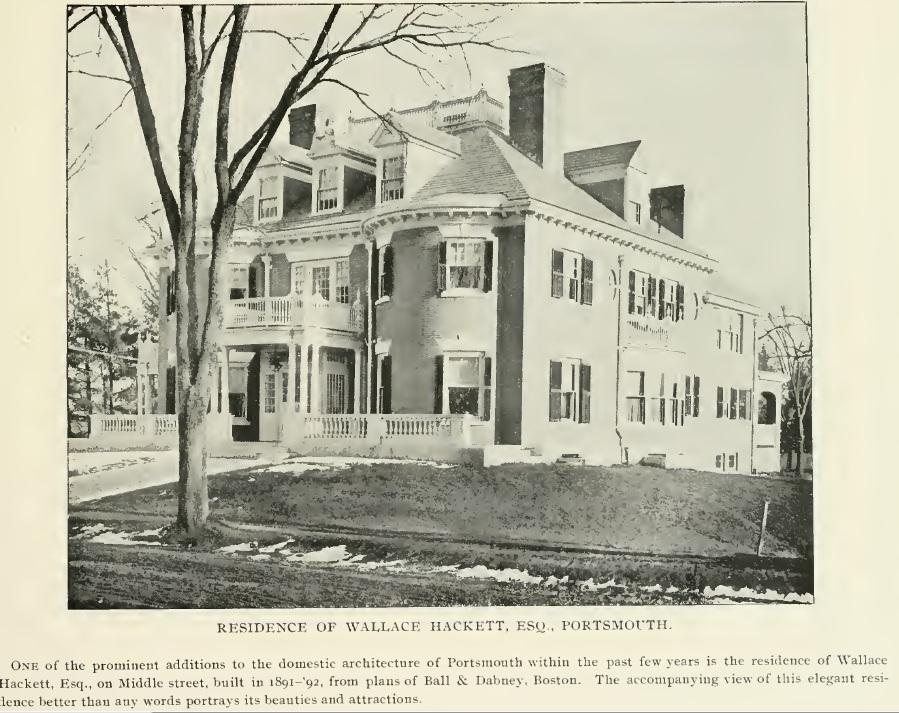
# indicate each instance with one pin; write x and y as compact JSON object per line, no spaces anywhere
{"x":125,"y":538}
{"x":274,"y":548}
{"x":729,"y":593}
{"x":241,"y":547}
{"x":337,"y":553}
{"x":259,"y":557}
{"x":588,"y":585}
{"x":479,"y":571}
{"x":304,"y":465}
{"x":382,"y":564}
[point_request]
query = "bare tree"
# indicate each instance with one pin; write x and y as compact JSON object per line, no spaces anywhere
{"x":790,"y":337}
{"x":408,"y":33}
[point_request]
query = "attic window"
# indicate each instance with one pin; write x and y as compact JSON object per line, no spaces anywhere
{"x":637,"y":210}
{"x":268,"y":197}
{"x":392,"y":179}
{"x":327,"y":188}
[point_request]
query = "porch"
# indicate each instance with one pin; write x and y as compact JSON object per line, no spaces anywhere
{"x":295,"y":311}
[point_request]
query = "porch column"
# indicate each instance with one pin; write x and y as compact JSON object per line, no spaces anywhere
{"x":139,"y":379}
{"x":267,"y":287}
{"x":357,"y":381}
{"x":291,"y":378}
{"x":315,"y":380}
{"x":302,"y":367}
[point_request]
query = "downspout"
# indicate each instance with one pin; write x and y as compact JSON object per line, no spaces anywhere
{"x":618,"y":365}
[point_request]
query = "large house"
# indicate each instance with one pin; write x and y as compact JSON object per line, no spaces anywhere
{"x":447,"y":281}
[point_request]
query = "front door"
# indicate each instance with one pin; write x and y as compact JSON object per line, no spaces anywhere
{"x":269,"y":397}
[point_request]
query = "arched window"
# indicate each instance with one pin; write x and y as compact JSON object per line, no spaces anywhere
{"x":767,"y":408}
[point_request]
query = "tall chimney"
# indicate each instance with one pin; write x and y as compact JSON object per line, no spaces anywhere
{"x":302,"y":125}
{"x":535,"y":114}
{"x":666,"y":207}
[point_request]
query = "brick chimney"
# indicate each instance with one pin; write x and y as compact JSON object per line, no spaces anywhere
{"x":535,"y":114}
{"x":302,"y":125}
{"x":666,"y":208}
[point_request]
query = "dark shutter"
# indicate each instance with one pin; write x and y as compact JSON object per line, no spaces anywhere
{"x":386,"y":369}
{"x":688,"y":396}
{"x":555,"y":391}
{"x":441,"y":266}
{"x":585,"y":393}
{"x":488,"y":266}
{"x":679,"y":307}
{"x":387,"y":286}
{"x":733,"y":403}
{"x":631,"y":288}
{"x":651,"y":294}
{"x":696,"y":396}
{"x":661,"y":299}
{"x":720,"y":409}
{"x":557,"y":287}
{"x":587,"y":282}
{"x":438,"y":383}
{"x":488,"y":384}
{"x":375,"y":267}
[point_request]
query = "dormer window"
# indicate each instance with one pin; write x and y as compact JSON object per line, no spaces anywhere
{"x":327,"y":188}
{"x":392,"y":178}
{"x":268,"y":197}
{"x":636,"y":211}
{"x":239,"y":282}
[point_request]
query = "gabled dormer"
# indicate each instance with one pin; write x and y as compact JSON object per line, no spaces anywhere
{"x":281,"y":188}
{"x":409,"y":154}
{"x":343,"y":174}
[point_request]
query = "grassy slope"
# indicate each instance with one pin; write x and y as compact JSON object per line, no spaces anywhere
{"x":630,"y":508}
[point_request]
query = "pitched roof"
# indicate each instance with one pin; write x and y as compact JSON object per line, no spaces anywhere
{"x":489,"y":164}
{"x":601,"y":156}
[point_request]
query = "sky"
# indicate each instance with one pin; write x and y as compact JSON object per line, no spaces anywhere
{"x":716,"y":92}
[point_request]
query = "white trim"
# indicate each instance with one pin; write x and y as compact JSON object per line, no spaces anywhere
{"x":382,"y":346}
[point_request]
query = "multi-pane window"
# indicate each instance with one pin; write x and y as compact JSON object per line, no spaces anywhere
{"x":298,"y":279}
{"x":392,"y":178}
{"x":571,"y":277}
{"x":462,"y":383}
{"x":238,"y":282}
{"x":730,"y":331}
{"x":385,"y":372}
{"x":321,"y":282}
{"x":569,"y":391}
{"x":638,"y":292}
{"x":657,"y":403}
{"x":743,"y":408}
{"x":269,"y":402}
{"x":636,"y":211}
{"x":636,"y":398}
{"x":732,"y":411}
{"x":653,"y":297}
{"x":327,"y":188}
{"x":268,"y":197}
{"x":676,"y":405}
{"x":385,"y":271}
{"x":342,"y":281}
{"x":734,"y":403}
{"x":465,"y":264}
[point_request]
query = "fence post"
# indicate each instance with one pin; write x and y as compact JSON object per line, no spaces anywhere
{"x":762,"y":530}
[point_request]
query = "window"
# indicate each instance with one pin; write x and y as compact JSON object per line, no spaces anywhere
{"x":298,"y":279}
{"x":285,"y":382}
{"x":572,"y":276}
{"x":239,"y":282}
{"x":730,"y":332}
{"x":463,"y":264}
{"x":385,"y":271}
{"x":653,"y":297}
{"x":732,"y":412}
{"x":392,"y":178}
{"x":327,"y":188}
{"x":691,"y":396}
{"x":169,"y":294}
{"x":268,"y":197}
{"x":298,"y":384}
{"x":463,"y":384}
{"x":720,"y":404}
{"x":657,"y":403}
{"x":636,"y":400}
{"x":743,"y":408}
{"x":676,"y":405}
{"x":569,"y":391}
{"x":637,"y":288}
{"x":342,"y":281}
{"x":321,"y":282}
{"x":767,"y":408}
{"x":269,"y":404}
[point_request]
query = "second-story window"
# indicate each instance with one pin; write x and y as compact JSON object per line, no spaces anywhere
{"x":392,"y":178}
{"x":327,"y":188}
{"x":385,"y":271}
{"x":572,"y":276}
{"x":239,"y":282}
{"x":298,"y":281}
{"x":342,"y":281}
{"x":268,"y":197}
{"x":321,"y":282}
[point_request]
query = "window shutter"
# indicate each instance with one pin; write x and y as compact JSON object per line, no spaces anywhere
{"x":631,"y":287}
{"x":661,"y":299}
{"x":679,"y":309}
{"x":375,"y":257}
{"x":386,"y":370}
{"x":441,"y":266}
{"x":488,"y":383}
{"x":651,"y":288}
{"x":388,"y":270}
{"x":695,"y":396}
{"x":438,"y":383}
{"x":585,"y":393}
{"x":720,"y":411}
{"x":587,"y":282}
{"x":488,"y":266}
{"x":557,"y":270}
{"x":555,"y":391}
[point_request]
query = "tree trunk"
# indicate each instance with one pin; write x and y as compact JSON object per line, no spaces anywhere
{"x":193,"y":498}
{"x":801,"y":448}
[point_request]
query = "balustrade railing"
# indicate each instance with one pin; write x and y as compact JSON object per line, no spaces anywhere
{"x":292,"y":310}
{"x":134,"y":425}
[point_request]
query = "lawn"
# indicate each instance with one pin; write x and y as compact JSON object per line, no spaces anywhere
{"x":626,"y":508}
